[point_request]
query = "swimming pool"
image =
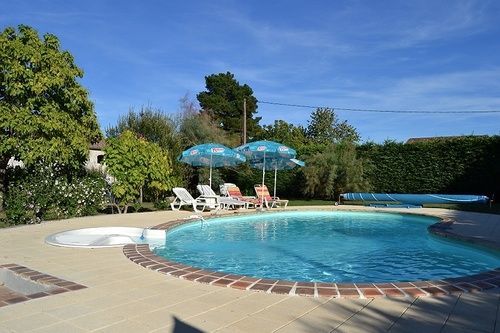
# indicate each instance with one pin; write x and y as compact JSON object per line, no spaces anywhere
{"x":324,"y":247}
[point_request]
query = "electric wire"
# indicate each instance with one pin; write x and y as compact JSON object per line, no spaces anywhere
{"x":380,"y":110}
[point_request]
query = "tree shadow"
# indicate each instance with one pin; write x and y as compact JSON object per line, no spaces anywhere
{"x":425,"y":314}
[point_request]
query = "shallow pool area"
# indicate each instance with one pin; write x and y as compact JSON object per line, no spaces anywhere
{"x":106,"y":237}
{"x":324,"y":246}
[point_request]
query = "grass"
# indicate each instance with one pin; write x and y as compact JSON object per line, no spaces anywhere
{"x":312,"y":202}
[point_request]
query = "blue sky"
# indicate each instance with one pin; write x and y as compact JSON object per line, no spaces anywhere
{"x":418,"y":55}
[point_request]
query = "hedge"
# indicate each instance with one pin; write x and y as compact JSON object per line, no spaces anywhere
{"x":468,"y":165}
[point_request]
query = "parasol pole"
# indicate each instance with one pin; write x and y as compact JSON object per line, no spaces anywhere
{"x":264,"y":169}
{"x":263,"y":176}
{"x":210,"y":177}
{"x":275,"y":173}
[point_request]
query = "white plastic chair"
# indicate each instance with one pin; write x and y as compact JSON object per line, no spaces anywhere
{"x":182,"y":197}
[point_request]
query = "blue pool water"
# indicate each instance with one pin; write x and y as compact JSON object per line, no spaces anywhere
{"x":325,"y":247}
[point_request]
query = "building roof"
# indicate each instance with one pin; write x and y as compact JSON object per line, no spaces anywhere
{"x":98,"y":145}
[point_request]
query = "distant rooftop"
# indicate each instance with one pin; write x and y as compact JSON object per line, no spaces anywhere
{"x":98,"y":145}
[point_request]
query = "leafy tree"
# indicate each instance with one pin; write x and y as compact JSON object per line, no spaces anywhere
{"x":288,"y":134}
{"x":157,"y":127}
{"x":325,"y":127}
{"x":335,"y":171}
{"x":199,"y":128}
{"x":45,"y":113}
{"x":134,"y":162}
{"x":152,"y":124}
{"x":223,"y":101}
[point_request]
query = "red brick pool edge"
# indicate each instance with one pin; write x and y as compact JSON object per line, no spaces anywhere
{"x":142,"y":255}
{"x":58,"y":285}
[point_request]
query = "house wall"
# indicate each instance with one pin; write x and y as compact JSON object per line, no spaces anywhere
{"x":95,"y":157}
{"x":93,"y":162}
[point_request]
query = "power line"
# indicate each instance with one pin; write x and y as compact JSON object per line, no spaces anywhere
{"x":380,"y":111}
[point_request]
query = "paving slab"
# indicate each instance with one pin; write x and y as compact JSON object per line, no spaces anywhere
{"x":378,"y":316}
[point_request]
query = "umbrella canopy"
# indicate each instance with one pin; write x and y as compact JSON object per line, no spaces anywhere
{"x":211,"y":155}
{"x":277,"y":164}
{"x":263,"y":151}
{"x":259,"y":150}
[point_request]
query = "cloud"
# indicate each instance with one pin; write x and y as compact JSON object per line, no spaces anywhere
{"x":273,"y":38}
{"x":434,"y":23}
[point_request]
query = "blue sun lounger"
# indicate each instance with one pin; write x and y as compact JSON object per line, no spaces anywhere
{"x":414,"y":200}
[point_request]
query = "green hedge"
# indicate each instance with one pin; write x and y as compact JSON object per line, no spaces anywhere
{"x":469,"y":165}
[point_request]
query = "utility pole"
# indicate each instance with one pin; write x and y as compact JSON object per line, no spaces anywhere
{"x":244,"y":121}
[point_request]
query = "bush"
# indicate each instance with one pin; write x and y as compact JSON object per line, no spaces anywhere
{"x":44,"y":192}
{"x":162,"y":204}
{"x":447,"y":165}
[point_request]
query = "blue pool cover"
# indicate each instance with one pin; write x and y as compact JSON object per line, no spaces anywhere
{"x":416,"y":199}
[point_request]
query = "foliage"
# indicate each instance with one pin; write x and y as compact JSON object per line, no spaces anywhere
{"x":292,"y":183}
{"x":156,"y":127}
{"x":335,"y":171}
{"x":288,"y":134}
{"x":163,"y":204}
{"x":198,"y":128}
{"x":457,"y":165}
{"x":45,"y":113}
{"x":134,"y":163}
{"x":43,"y":192}
{"x":325,"y":128}
{"x":151,"y":124}
{"x":223,"y":102}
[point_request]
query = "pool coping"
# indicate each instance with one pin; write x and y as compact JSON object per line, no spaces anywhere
{"x":59,"y":285}
{"x":142,"y":255}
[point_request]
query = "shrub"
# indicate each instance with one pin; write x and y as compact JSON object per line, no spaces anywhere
{"x":44,"y":192}
{"x":336,"y":170}
{"x":466,"y":164}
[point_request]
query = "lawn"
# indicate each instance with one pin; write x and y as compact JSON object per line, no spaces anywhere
{"x":312,"y":202}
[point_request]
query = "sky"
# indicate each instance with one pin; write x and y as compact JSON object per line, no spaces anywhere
{"x":388,"y":55}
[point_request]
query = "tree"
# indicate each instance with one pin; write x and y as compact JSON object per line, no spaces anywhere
{"x":288,"y":134}
{"x":156,"y":127}
{"x":325,"y":127}
{"x":336,"y":170}
{"x":45,"y":113}
{"x":134,"y":162}
{"x":197,"y":128}
{"x":152,"y":124}
{"x":223,"y":101}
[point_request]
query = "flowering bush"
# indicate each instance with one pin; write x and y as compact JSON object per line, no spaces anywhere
{"x":44,"y":192}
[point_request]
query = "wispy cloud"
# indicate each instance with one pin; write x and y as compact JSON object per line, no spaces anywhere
{"x":433,"y":23}
{"x":273,"y":38}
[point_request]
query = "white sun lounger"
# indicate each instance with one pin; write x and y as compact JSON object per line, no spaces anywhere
{"x":225,"y":202}
{"x":182,"y":197}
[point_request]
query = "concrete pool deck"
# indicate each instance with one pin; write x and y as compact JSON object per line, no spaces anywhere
{"x":122,"y":296}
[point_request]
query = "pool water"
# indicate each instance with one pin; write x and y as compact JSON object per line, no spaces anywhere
{"x":325,"y":247}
